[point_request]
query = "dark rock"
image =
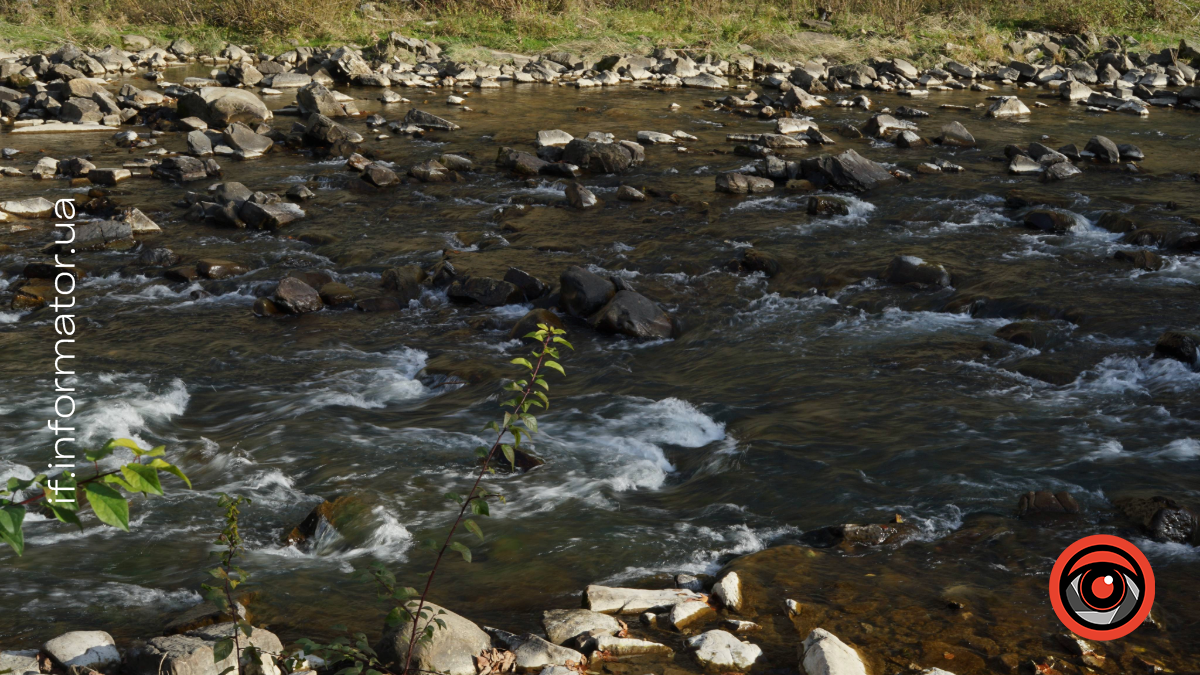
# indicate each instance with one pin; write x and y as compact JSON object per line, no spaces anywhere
{"x":426,"y":120}
{"x":1057,"y":222}
{"x":404,"y":282}
{"x":269,"y":216}
{"x":321,"y":129}
{"x":182,"y":169}
{"x":1146,"y":260}
{"x":820,"y":205}
{"x":296,"y":297}
{"x":379,"y":175}
{"x":906,"y":270}
{"x":379,"y":304}
{"x":335,"y":294}
{"x":583,"y":293}
{"x":1179,"y":345}
{"x":1162,"y":518}
{"x":315,"y":99}
{"x":848,"y":171}
{"x":529,"y":323}
{"x":530,"y":286}
{"x":520,"y":163}
{"x":485,"y":291}
{"x":634,"y":315}
{"x":96,"y":235}
{"x":1031,"y":334}
{"x":1043,"y":502}
{"x":598,"y":157}
{"x":1105,"y":150}
{"x":755,"y":260}
{"x":158,"y":257}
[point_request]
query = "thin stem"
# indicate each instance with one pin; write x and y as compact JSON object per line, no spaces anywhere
{"x":412,"y":638}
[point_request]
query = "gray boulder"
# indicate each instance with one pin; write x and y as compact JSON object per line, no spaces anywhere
{"x":633,"y":315}
{"x":316,"y":99}
{"x":485,"y":291}
{"x":1007,"y":106}
{"x":426,"y":120}
{"x":562,"y":625}
{"x":580,"y":197}
{"x":296,"y":297}
{"x":598,"y":157}
{"x":20,"y":662}
{"x":245,"y":142}
{"x":92,"y":649}
{"x":451,"y":651}
{"x":582,"y":293}
{"x":609,"y":600}
{"x":219,"y":106}
{"x":199,"y":144}
{"x":847,"y":171}
{"x":1105,"y":150}
{"x":956,"y":135}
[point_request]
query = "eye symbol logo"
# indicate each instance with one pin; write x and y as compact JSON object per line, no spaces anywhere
{"x":1102,"y":587}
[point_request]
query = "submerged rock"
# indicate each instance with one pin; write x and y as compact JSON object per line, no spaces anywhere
{"x":906,"y":270}
{"x":296,"y":297}
{"x":1162,"y":518}
{"x":1043,"y":502}
{"x":822,"y":653}
{"x":1179,"y":345}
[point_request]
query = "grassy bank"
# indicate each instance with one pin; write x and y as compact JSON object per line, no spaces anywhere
{"x":916,"y":28}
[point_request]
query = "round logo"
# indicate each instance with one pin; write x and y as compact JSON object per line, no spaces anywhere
{"x":1102,"y":587}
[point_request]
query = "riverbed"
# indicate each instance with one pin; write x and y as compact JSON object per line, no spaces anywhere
{"x":820,"y":396}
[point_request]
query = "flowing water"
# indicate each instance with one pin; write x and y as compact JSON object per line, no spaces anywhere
{"x":778,"y":410}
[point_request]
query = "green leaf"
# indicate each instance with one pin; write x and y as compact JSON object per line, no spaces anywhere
{"x":473,"y":528}
{"x":493,"y":426}
{"x":561,"y":341}
{"x":117,"y":480}
{"x":65,"y":513}
{"x":461,"y":548}
{"x":480,"y":508}
{"x":542,"y":383}
{"x":510,"y":455}
{"x":394,"y":618}
{"x":545,"y":399}
{"x":430,"y":544}
{"x":522,"y":362}
{"x":170,"y":468}
{"x":110,"y":507}
{"x":554,"y":365}
{"x":454,"y":497}
{"x":142,"y":478}
{"x":11,"y":519}
{"x":222,"y":649}
{"x":530,"y":422}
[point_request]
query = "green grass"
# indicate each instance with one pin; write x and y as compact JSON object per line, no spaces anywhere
{"x":923,"y":30}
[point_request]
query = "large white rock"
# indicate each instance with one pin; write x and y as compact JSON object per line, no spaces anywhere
{"x":554,"y":138}
{"x":33,"y":207}
{"x":721,"y":651}
{"x":822,"y":653}
{"x":192,"y":653}
{"x":60,"y":127}
{"x":689,"y":612}
{"x":1007,"y":106}
{"x":535,"y":654}
{"x":452,"y":650}
{"x":19,"y":662}
{"x":563,"y":624}
{"x":792,"y":125}
{"x":610,"y":600}
{"x":93,"y":649}
{"x":729,"y":590}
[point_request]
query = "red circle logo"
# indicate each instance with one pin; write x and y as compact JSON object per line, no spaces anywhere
{"x":1102,"y":587}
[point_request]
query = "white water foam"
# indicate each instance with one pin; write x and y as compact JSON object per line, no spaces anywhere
{"x":370,"y":388}
{"x":132,"y":411}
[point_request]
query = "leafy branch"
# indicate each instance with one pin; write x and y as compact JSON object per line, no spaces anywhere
{"x":231,"y":575}
{"x":102,"y":490}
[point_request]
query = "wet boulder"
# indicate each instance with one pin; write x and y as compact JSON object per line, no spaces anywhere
{"x":719,"y":651}
{"x":182,"y":169}
{"x":1029,"y":334}
{"x":851,"y":534}
{"x":822,"y":653}
{"x":94,"y":650}
{"x":906,"y":270}
{"x":821,"y":205}
{"x":598,"y":157}
{"x":1042,"y":502}
{"x":1058,"y":222}
{"x":579,"y":197}
{"x":485,"y":291}
{"x":296,"y":297}
{"x":1141,"y":259}
{"x":219,"y":106}
{"x":96,"y":235}
{"x":1060,"y":171}
{"x":404,"y":282}
{"x":754,"y":260}
{"x":847,"y":171}
{"x":633,"y":315}
{"x":426,"y":120}
{"x":883,"y":125}
{"x":520,"y":163}
{"x":322,"y":129}
{"x":583,"y":292}
{"x":955,"y":134}
{"x":379,"y":175}
{"x":216,"y":269}
{"x":530,"y":286}
{"x":1161,"y":518}
{"x":199,"y":144}
{"x":530,"y":322}
{"x":1104,"y":150}
{"x":562,"y":625}
{"x":158,"y":257}
{"x":451,"y":651}
{"x":1179,"y":345}
{"x":323,"y":522}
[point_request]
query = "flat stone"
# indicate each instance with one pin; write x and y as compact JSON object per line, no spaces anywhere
{"x":610,"y":600}
{"x":719,"y":651}
{"x":60,"y":127}
{"x":33,"y":207}
{"x":617,"y":646}
{"x":87,"y":649}
{"x":563,"y":624}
